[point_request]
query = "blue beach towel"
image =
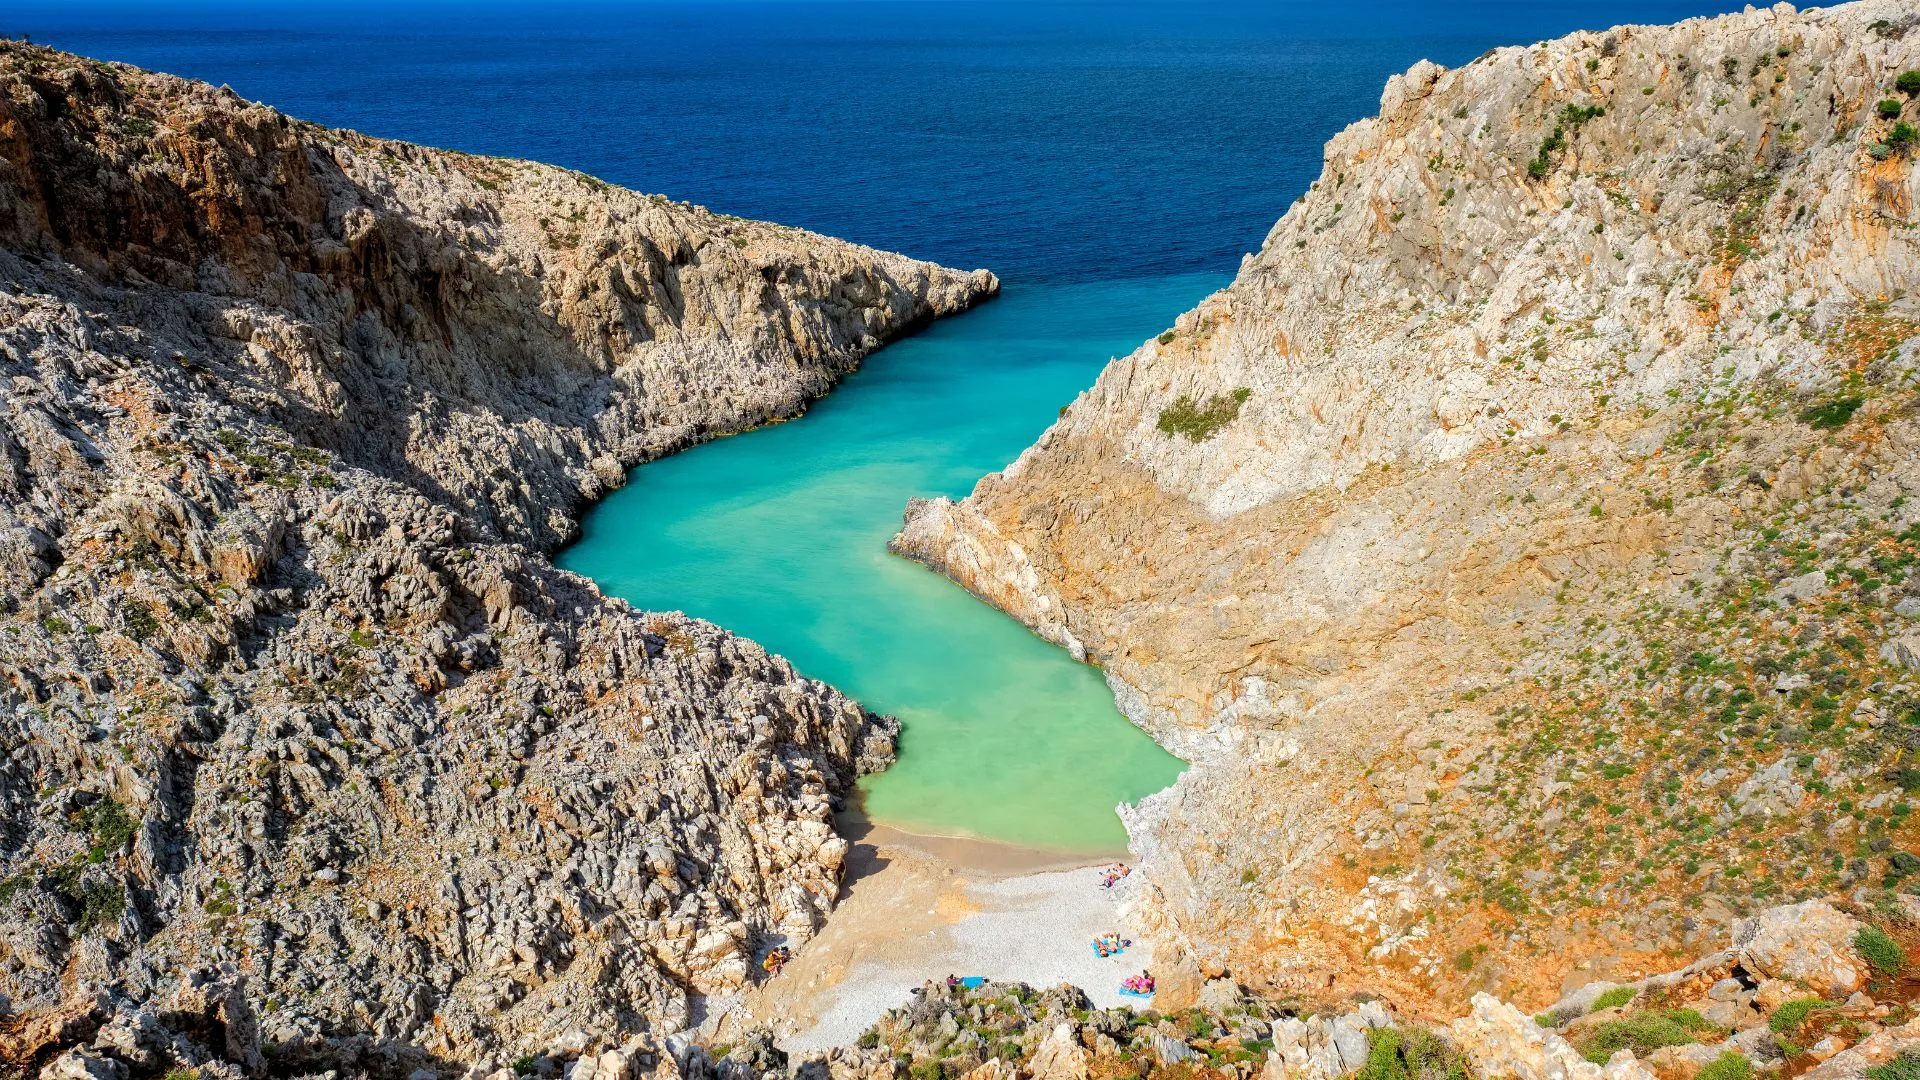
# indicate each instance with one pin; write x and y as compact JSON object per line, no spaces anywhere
{"x":1124,"y":992}
{"x":1095,"y":946}
{"x":973,"y":982}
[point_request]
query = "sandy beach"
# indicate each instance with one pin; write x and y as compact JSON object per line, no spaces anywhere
{"x":915,"y":908}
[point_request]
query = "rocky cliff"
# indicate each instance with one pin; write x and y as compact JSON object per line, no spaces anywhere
{"x":1519,"y":546}
{"x":290,"y":694}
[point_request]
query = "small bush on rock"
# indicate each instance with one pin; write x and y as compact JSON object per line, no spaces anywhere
{"x":1908,"y":83}
{"x":1882,"y":952}
{"x":1888,"y":109}
{"x":1830,"y":414}
{"x":1790,"y":1015}
{"x":1410,"y":1053}
{"x":1614,"y":998}
{"x":1643,"y":1033}
{"x":1731,"y":1065}
{"x":1199,"y":422}
{"x":111,"y":827}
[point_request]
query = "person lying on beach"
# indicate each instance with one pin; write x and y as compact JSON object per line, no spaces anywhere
{"x":776,"y":959}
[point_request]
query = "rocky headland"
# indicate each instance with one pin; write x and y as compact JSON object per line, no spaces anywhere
{"x":1520,"y":547}
{"x":313,"y":760}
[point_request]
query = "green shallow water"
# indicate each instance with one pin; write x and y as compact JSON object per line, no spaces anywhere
{"x":780,"y":534}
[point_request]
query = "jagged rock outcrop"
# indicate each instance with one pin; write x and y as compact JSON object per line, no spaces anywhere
{"x":1519,"y":547}
{"x":289,"y":691}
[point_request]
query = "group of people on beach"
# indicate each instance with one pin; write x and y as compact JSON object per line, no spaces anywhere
{"x":1110,"y":944}
{"x":1141,"y":984}
{"x":1113,"y":874}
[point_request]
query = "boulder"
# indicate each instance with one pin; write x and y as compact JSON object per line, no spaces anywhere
{"x":1810,"y":943}
{"x":1061,"y":1057}
{"x":1501,"y":1041}
{"x":1902,"y":651}
{"x":1170,"y":1050}
{"x":1877,"y":1049}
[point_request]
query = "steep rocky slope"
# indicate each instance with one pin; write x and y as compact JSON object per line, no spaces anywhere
{"x":289,"y":692}
{"x":1519,"y":547}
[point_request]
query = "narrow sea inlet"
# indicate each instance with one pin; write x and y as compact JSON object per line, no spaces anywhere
{"x":780,"y":534}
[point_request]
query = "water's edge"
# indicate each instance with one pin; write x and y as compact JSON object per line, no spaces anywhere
{"x":780,"y":534}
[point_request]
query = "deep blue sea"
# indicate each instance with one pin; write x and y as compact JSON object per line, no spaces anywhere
{"x":1111,"y":161}
{"x":1045,"y":139}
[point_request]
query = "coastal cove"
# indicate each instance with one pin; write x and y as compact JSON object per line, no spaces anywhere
{"x":780,"y":533}
{"x":1112,"y":169}
{"x":551,"y":608}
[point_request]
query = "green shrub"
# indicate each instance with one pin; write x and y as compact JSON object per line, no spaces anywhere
{"x":868,"y":1040}
{"x":1614,"y":998}
{"x":1791,"y":1014}
{"x":1165,"y":338}
{"x":1574,"y":115}
{"x":1888,"y":109}
{"x":182,"y":1074}
{"x":1908,"y":83}
{"x":1904,"y":1067}
{"x":111,"y":827}
{"x":1199,"y":422}
{"x":1643,"y":1033}
{"x":1731,"y":1065}
{"x":101,"y":903}
{"x":1831,"y":414}
{"x":523,"y":1065}
{"x":1879,"y":950}
{"x":1902,"y":136}
{"x":141,"y":624}
{"x":1410,"y":1053}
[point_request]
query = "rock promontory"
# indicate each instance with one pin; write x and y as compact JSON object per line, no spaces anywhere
{"x":291,"y":696}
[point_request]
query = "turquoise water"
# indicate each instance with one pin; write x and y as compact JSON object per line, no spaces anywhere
{"x":780,"y":534}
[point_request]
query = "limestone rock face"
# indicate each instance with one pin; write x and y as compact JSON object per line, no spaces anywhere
{"x":290,"y":420}
{"x":1060,"y":1056}
{"x":1809,"y":943}
{"x":1576,"y":362}
{"x":1502,"y":1041}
